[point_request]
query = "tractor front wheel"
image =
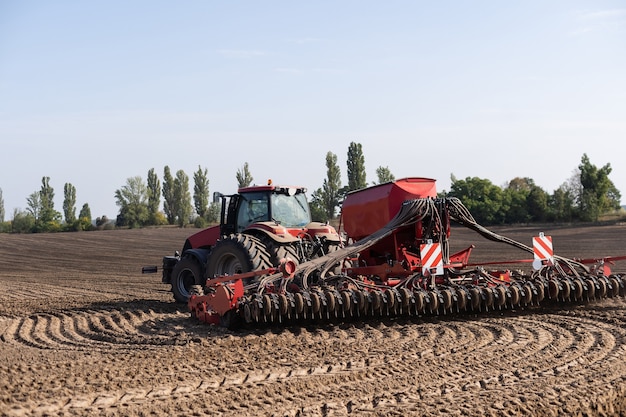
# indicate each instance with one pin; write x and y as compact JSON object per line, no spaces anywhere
{"x":185,"y":274}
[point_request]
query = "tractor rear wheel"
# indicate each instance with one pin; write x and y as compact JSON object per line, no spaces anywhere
{"x":185,"y":275}
{"x":237,"y":254}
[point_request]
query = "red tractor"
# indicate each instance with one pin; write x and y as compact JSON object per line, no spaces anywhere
{"x":259,"y":226}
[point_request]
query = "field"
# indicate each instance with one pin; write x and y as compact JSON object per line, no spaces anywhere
{"x":82,"y":332}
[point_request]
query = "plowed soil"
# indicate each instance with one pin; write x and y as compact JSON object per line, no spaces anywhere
{"x":82,"y":332}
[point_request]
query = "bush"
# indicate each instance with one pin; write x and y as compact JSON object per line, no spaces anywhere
{"x":200,"y":222}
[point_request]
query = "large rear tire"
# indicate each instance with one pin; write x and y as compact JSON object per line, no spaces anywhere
{"x":237,"y":254}
{"x":186,"y":274}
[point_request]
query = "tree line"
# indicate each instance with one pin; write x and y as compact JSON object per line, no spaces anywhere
{"x":584,"y":197}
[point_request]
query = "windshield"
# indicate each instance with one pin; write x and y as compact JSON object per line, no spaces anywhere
{"x":290,"y":211}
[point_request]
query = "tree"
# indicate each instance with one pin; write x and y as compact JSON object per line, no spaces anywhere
{"x":49,"y":218}
{"x":564,"y":203}
{"x":23,"y":222}
{"x":599,"y":194}
{"x":182,"y":197}
{"x":213,"y":215}
{"x":69,"y":203}
{"x":46,"y":197}
{"x":154,"y":196}
{"x":483,"y":199}
{"x":384,"y":175}
{"x":132,"y":199}
{"x":1,"y":207}
{"x":537,"y":202}
{"x":244,"y":178}
{"x":516,"y":201}
{"x":84,"y":218}
{"x":85,"y":212}
{"x":325,"y":200}
{"x":169,"y":203}
{"x":34,"y":205}
{"x":356,"y":167}
{"x":201,"y":192}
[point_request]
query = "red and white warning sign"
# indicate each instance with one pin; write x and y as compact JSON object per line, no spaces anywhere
{"x":431,"y":258}
{"x":542,"y":249}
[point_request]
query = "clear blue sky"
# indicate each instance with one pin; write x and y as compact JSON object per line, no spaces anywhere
{"x":95,"y":92}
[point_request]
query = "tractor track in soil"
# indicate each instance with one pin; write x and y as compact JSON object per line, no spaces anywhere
{"x":117,"y":345}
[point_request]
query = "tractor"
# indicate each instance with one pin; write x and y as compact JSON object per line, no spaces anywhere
{"x":259,"y":226}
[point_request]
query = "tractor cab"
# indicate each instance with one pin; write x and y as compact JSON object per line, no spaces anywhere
{"x":284,"y":206}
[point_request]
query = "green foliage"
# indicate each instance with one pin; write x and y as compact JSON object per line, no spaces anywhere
{"x":213,"y":215}
{"x":154,"y":196}
{"x":41,"y":209}
{"x":200,"y":222}
{"x":49,"y":218}
{"x":132,"y":199}
{"x":182,"y":196}
{"x":34,"y":204}
{"x":169,"y":204}
{"x":484,"y":200}
{"x":69,"y":203}
{"x":356,"y":167}
{"x":201,"y":192}
{"x":318,"y":213}
{"x":5,"y":227}
{"x":244,"y":178}
{"x":326,"y":199}
{"x":23,"y":222}
{"x":85,"y":212}
{"x":384,"y":175}
{"x":599,"y":194}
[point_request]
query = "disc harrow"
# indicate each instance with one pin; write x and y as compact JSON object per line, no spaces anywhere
{"x":403,"y":285}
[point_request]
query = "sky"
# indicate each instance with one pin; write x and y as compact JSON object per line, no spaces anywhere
{"x":95,"y":92}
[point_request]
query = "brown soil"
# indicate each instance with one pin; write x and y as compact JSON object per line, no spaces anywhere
{"x":82,"y":332}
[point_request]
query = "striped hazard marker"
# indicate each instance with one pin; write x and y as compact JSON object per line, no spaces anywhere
{"x":542,"y":250}
{"x":432,"y":260}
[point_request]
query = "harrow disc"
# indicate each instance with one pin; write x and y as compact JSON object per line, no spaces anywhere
{"x":447,"y":299}
{"x":614,"y":287}
{"x":591,"y":288}
{"x":433,"y":302}
{"x":419,"y":302}
{"x":330,"y":302}
{"x":500,"y":295}
{"x":515,"y":295}
{"x":346,"y":301}
{"x":602,"y":286}
{"x":315,"y":303}
{"x":461,"y":299}
{"x":578,"y":289}
{"x":475,"y":298}
{"x":487,"y":297}
{"x":298,"y":302}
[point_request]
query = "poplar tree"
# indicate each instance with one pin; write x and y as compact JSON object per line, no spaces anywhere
{"x":69,"y":203}
{"x":169,"y":203}
{"x":356,"y":167}
{"x":201,"y":192}
{"x":182,"y":196}
{"x":154,"y":195}
{"x":244,"y":178}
